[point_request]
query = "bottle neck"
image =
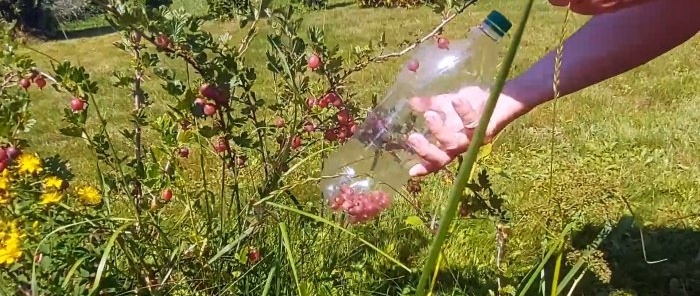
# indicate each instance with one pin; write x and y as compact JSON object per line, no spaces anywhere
{"x":489,"y":31}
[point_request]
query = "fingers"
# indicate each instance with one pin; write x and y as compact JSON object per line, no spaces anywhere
{"x":466,"y":113}
{"x":448,"y":139}
{"x":433,"y":157}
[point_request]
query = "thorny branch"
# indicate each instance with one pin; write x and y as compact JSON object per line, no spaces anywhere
{"x":433,"y":33}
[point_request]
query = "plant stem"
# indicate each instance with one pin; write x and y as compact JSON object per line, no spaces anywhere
{"x":471,"y":154}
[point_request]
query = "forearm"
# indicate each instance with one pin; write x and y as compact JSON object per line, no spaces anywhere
{"x":606,"y":46}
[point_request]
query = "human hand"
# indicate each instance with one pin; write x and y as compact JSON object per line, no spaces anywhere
{"x":451,"y":120}
{"x":595,"y":7}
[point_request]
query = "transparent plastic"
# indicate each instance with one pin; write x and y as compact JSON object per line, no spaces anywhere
{"x":360,"y":177}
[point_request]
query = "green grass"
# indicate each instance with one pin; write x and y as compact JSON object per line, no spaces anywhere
{"x":633,"y":137}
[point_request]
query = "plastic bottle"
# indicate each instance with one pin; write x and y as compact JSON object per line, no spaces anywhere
{"x":360,"y":177}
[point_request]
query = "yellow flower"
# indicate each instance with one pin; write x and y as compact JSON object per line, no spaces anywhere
{"x":10,"y":242}
{"x":4,"y":182}
{"x":29,"y":164}
{"x":89,"y":195}
{"x":54,"y":183}
{"x":5,"y":197}
{"x":50,"y":197}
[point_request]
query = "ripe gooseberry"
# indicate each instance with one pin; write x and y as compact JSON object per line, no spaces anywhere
{"x":343,"y":116}
{"x":3,"y":166}
{"x":209,"y":109}
{"x":208,"y":91}
{"x":77,"y":105}
{"x":253,"y":255}
{"x":311,"y":102}
{"x":296,"y":142}
{"x":25,"y":83}
{"x":167,"y":195}
{"x":314,"y":62}
{"x":221,"y":145}
{"x":443,"y":43}
{"x":413,"y":65}
{"x":40,"y":82}
{"x":12,"y":152}
{"x":3,"y":155}
{"x":184,"y":152}
{"x":279,"y":122}
{"x":162,"y":41}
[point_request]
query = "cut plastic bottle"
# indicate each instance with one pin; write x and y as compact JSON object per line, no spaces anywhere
{"x":360,"y":177}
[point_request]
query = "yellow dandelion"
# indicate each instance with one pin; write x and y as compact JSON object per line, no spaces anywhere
{"x":10,"y":243}
{"x":5,"y":197}
{"x":50,"y":197}
{"x":4,"y":182}
{"x":29,"y":164}
{"x":89,"y":195}
{"x":53,"y":183}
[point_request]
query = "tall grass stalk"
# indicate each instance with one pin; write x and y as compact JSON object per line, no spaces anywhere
{"x":466,"y":167}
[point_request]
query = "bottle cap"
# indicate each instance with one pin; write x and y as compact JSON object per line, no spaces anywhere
{"x":498,"y":22}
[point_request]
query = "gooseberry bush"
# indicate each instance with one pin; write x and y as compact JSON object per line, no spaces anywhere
{"x":198,"y":192}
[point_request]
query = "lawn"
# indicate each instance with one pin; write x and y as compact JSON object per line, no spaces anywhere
{"x":633,"y":138}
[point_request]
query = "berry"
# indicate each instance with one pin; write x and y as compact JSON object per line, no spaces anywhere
{"x":167,"y":195}
{"x":200,"y":102}
{"x":184,"y":152}
{"x":3,"y":165}
{"x":77,"y":105}
{"x":314,"y":62}
{"x":343,"y":116}
{"x":413,"y":65}
{"x":333,"y":99}
{"x":311,"y":102}
{"x":309,"y":126}
{"x":221,"y":145}
{"x":208,"y":91}
{"x":331,"y":135}
{"x":352,"y":128}
{"x":40,"y":82}
{"x":209,"y":109}
{"x":253,"y":255}
{"x":323,"y":103}
{"x":279,"y":122}
{"x":12,"y":152}
{"x":296,"y":142}
{"x":3,"y":155}
{"x":222,"y":97}
{"x":163,"y":41}
{"x":443,"y":43}
{"x":25,"y":83}
{"x":33,"y":74}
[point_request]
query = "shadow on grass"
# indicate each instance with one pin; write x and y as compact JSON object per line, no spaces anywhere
{"x":84,"y":33}
{"x":672,"y":265}
{"x":339,"y":5}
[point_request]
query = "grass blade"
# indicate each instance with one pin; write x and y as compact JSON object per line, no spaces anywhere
{"x":290,"y":257}
{"x":268,"y":282}
{"x":71,"y":271}
{"x":329,"y":223}
{"x":105,"y":255}
{"x":471,"y":154}
{"x":230,"y":246}
{"x":604,"y":233}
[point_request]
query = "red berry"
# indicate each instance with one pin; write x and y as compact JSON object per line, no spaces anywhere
{"x":331,"y":135}
{"x":314,"y":62}
{"x":311,"y":102}
{"x":413,"y":65}
{"x":40,"y":82}
{"x":184,"y":152}
{"x":343,"y":116}
{"x":167,"y":195}
{"x":222,"y":97}
{"x":77,"y":105}
{"x":221,"y":145}
{"x":253,"y":255}
{"x":208,"y":91}
{"x":323,"y":103}
{"x":3,"y":155}
{"x":352,"y":128}
{"x":443,"y":43}
{"x":12,"y":152}
{"x":162,"y":41}
{"x":25,"y":83}
{"x":3,"y":165}
{"x":209,"y":109}
{"x":333,"y":99}
{"x":296,"y":142}
{"x":279,"y":122}
{"x":309,"y":126}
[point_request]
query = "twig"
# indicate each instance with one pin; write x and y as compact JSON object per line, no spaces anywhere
{"x":573,"y":286}
{"x":434,"y":32}
{"x":138,"y":103}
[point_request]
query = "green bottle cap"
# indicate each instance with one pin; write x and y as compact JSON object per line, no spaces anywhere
{"x":498,"y":22}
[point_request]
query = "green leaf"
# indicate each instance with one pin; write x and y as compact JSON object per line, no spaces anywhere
{"x":105,"y":255}
{"x":230,"y":246}
{"x":290,"y":256}
{"x":414,"y":221}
